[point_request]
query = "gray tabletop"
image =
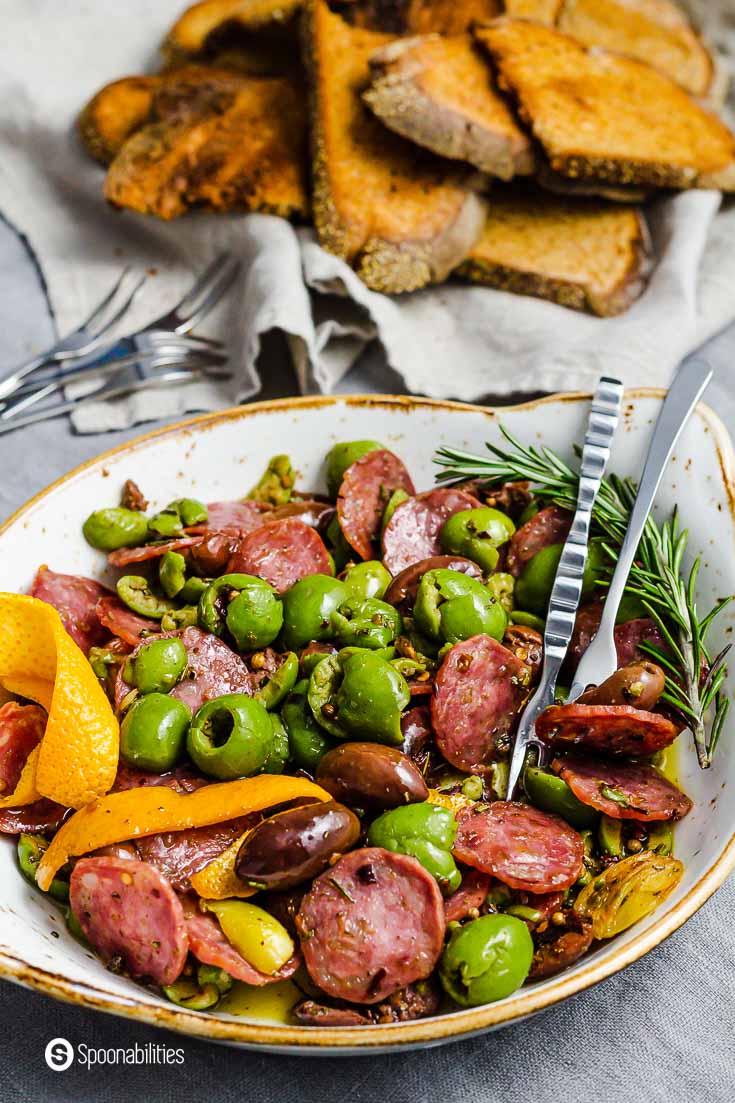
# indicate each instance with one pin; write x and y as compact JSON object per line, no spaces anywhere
{"x":660,"y":1031}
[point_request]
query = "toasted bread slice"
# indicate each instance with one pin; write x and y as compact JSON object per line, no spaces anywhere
{"x":401,"y":216}
{"x":541,"y":11}
{"x":607,"y":118}
{"x":257,"y":37}
{"x":563,"y":185}
{"x":221,"y":140}
{"x":438,"y":91}
{"x":114,"y":113}
{"x":418,"y":16}
{"x":581,"y":253}
{"x":654,"y":31}
{"x":193,"y":31}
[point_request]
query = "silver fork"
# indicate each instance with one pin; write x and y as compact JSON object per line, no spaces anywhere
{"x":204,"y":294}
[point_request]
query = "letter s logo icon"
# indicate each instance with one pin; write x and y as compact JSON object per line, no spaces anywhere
{"x":59,"y":1054}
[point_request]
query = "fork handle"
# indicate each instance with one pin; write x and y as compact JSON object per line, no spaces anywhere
{"x":600,"y":659}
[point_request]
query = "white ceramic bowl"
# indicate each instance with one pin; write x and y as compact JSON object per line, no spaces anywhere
{"x":219,"y":457}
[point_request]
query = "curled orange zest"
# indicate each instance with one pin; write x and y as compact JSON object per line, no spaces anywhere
{"x":218,"y":880}
{"x":76,"y":760}
{"x":150,"y":809}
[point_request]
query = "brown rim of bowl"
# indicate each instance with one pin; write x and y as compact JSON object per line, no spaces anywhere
{"x":453,"y":1025}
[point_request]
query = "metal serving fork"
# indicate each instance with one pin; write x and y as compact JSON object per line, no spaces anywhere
{"x":600,"y":660}
{"x":89,"y":349}
{"x":567,"y":589}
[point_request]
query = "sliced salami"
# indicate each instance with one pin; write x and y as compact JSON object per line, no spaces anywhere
{"x":236,"y":517}
{"x":413,"y":531}
{"x":75,"y":600}
{"x":43,"y":815}
{"x":282,"y":552}
{"x":527,"y":645}
{"x":470,"y":895}
{"x":179,"y":854}
{"x":562,"y":949}
{"x":209,"y":945}
{"x":182,"y":779}
{"x":370,"y":925}
{"x":402,"y":590}
{"x":549,"y":526}
{"x":623,"y":791}
{"x":521,"y":846}
{"x":212,"y":670}
{"x":21,"y":730}
{"x":479,"y":689}
{"x":210,"y":557}
{"x":312,"y":511}
{"x":628,"y":636}
{"x":124,"y":557}
{"x":311,"y":1013}
{"x":123,"y":622}
{"x":605,"y":729}
{"x":366,"y":487}
{"x":128,"y":910}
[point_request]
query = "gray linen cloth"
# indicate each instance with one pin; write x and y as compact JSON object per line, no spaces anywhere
{"x":451,"y":341}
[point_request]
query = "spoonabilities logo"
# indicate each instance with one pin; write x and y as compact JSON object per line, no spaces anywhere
{"x":59,"y":1054}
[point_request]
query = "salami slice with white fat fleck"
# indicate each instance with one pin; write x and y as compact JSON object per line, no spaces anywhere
{"x":282,"y":552}
{"x":209,"y":945}
{"x":179,"y":854}
{"x":43,"y":815}
{"x":212,"y":670}
{"x":123,"y":622}
{"x":21,"y":730}
{"x":366,"y":487}
{"x":128,"y":910}
{"x":478,"y":691}
{"x":623,"y":791}
{"x":236,"y":517}
{"x":520,"y":845}
{"x":75,"y":599}
{"x":470,"y":895}
{"x":124,"y":557}
{"x":371,"y":924}
{"x":605,"y":729}
{"x":549,"y":526}
{"x":413,"y":531}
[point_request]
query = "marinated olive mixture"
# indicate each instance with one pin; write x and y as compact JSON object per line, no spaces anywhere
{"x":362,"y":658}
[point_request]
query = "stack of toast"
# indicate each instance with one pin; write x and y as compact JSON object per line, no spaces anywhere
{"x":507,"y":142}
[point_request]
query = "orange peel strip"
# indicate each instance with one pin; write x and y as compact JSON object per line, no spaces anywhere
{"x":218,"y":880}
{"x":150,"y":809}
{"x":77,"y":757}
{"x":25,"y":791}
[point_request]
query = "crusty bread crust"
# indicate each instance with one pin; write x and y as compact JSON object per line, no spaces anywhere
{"x":540,"y":11}
{"x":564,"y":185}
{"x":606,"y":118}
{"x":216,"y":139}
{"x":585,"y":255}
{"x":397,"y":214}
{"x":437,"y":91}
{"x":192,"y":30}
{"x":418,"y":16}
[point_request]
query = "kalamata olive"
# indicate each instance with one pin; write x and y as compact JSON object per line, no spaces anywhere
{"x":637,"y":684}
{"x":402,"y":590}
{"x":295,"y":845}
{"x":371,"y":776}
{"x":527,"y":645}
{"x":210,"y":558}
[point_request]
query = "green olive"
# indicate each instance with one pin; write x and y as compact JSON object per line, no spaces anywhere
{"x":477,"y":534}
{"x":370,"y":698}
{"x":109,"y":529}
{"x":192,"y":590}
{"x":186,"y":617}
{"x":30,"y":852}
{"x":486,"y":959}
{"x":552,"y":794}
{"x":534,"y":586}
{"x":277,"y":688}
{"x":341,"y":552}
{"x":369,"y":579}
{"x":278,"y":757}
{"x":172,"y":573}
{"x":136,"y":593}
{"x":307,"y":610}
{"x":276,"y":484}
{"x":158,"y":665}
{"x":426,"y":832}
{"x":451,"y":606}
{"x":500,"y":586}
{"x":153,"y":733}
{"x":398,"y":496}
{"x":177,"y":516}
{"x":366,"y":623}
{"x":253,"y":611}
{"x":230,"y":737}
{"x":343,"y":455}
{"x":308,"y":742}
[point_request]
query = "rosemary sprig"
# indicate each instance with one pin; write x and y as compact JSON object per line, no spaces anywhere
{"x":694,"y":679}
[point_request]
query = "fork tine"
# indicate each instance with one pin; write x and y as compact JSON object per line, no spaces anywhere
{"x":122,"y":309}
{"x":102,"y":306}
{"x":209,"y":301}
{"x":161,"y":337}
{"x":202,"y":284}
